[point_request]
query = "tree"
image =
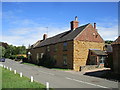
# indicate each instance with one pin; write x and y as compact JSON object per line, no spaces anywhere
{"x":14,"y":50}
{"x":2,"y":51}
{"x":108,"y":41}
{"x":9,"y":51}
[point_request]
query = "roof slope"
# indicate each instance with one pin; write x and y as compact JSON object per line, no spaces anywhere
{"x":98,"y":52}
{"x":117,"y":41}
{"x":65,"y":36}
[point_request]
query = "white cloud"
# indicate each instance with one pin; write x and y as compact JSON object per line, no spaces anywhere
{"x":26,"y":36}
{"x":28,"y":31}
{"x":110,"y":33}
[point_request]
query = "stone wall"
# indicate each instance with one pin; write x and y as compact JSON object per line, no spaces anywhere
{"x":80,"y":53}
{"x":90,"y":67}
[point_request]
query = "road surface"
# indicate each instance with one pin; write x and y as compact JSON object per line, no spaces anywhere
{"x":60,"y":79}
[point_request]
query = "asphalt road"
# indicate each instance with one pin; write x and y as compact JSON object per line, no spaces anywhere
{"x":60,"y":79}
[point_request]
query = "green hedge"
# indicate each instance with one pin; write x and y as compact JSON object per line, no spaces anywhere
{"x":13,"y":57}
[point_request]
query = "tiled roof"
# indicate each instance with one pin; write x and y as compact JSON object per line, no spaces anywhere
{"x":65,"y":36}
{"x":98,"y":52}
{"x":117,"y":41}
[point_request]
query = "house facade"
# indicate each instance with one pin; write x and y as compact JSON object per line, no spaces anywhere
{"x":71,"y":48}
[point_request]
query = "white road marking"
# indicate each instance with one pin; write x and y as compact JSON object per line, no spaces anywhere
{"x":47,"y":73}
{"x":86,"y":82}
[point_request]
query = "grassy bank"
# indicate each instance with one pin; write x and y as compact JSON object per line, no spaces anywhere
{"x":45,"y":67}
{"x":11,"y":80}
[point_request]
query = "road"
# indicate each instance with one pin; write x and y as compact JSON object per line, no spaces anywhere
{"x":60,"y":79}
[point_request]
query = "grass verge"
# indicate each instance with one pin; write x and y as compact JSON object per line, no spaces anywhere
{"x":10,"y":80}
{"x":29,"y":64}
{"x":62,"y":69}
{"x":45,"y":67}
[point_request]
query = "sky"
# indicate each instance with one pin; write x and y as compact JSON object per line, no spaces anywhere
{"x":24,"y":23}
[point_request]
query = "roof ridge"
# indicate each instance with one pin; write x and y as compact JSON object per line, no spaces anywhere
{"x":68,"y":31}
{"x":62,"y":37}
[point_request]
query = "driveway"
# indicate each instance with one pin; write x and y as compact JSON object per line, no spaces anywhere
{"x":61,"y":79}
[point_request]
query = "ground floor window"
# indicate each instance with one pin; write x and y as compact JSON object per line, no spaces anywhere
{"x":55,"y":57}
{"x":64,"y":59}
{"x":41,"y":55}
{"x":102,"y":59}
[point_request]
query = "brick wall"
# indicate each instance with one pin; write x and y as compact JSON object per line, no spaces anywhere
{"x":89,"y":34}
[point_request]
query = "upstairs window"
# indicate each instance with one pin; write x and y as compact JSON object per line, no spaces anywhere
{"x":64,"y":46}
{"x":37,"y":56}
{"x":55,"y":48}
{"x":41,"y":55}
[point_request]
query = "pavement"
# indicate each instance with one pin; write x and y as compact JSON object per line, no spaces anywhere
{"x":61,"y":79}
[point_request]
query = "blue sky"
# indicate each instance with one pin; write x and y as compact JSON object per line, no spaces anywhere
{"x":24,"y":23}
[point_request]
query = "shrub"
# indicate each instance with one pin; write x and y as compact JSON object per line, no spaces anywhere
{"x":20,"y":57}
{"x":24,"y":60}
{"x":47,"y":61}
{"x":13,"y":57}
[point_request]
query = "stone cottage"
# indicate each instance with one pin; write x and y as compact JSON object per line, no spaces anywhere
{"x":70,"y":48}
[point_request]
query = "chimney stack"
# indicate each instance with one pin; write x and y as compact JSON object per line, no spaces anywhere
{"x":94,"y":25}
{"x":74,"y":24}
{"x":44,"y":36}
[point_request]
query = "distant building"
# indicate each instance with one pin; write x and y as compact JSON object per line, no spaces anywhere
{"x":108,"y":48}
{"x":116,"y":55}
{"x":70,"y":48}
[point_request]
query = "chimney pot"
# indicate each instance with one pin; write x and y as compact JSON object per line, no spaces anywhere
{"x":74,"y":24}
{"x":44,"y":36}
{"x":94,"y":25}
{"x":76,"y":18}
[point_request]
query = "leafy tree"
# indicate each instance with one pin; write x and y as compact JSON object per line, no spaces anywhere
{"x":14,"y":50}
{"x":108,"y":41}
{"x":9,"y":51}
{"x":2,"y":51}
